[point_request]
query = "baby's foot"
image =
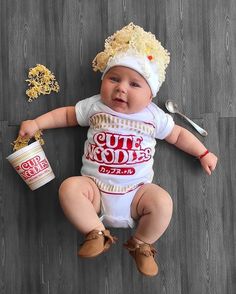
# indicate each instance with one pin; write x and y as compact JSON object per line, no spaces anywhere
{"x":96,"y":242}
{"x":143,"y":255}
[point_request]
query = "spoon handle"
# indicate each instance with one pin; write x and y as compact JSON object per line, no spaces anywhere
{"x":197,"y":127}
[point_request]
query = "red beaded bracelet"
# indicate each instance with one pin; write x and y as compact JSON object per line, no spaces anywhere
{"x":203,"y":154}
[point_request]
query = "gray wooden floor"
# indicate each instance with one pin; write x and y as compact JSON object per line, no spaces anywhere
{"x":38,"y":245}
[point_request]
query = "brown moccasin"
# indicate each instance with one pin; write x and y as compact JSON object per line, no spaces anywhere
{"x":143,"y":255}
{"x":96,"y":242}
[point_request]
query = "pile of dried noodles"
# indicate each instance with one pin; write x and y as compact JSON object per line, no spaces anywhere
{"x":40,"y":81}
{"x":21,"y":142}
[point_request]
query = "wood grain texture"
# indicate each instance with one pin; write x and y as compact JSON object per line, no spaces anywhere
{"x":197,"y":254}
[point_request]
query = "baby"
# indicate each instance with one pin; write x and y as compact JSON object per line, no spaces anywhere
{"x":124,"y":123}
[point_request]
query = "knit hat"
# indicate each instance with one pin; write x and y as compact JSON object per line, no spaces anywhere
{"x":136,"y":49}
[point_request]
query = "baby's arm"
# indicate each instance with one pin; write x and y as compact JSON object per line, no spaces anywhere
{"x":57,"y":118}
{"x":187,"y":142}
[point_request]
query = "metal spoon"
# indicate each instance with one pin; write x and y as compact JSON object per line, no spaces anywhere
{"x":173,"y":108}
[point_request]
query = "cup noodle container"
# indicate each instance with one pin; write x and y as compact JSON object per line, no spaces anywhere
{"x":32,"y":165}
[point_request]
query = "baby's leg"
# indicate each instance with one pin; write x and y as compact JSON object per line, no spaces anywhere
{"x":80,"y":201}
{"x":153,"y":207}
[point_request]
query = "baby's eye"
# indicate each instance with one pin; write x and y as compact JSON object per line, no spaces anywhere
{"x":133,"y":84}
{"x":114,"y":79}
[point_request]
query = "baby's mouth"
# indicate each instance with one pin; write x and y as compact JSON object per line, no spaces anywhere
{"x":120,"y":100}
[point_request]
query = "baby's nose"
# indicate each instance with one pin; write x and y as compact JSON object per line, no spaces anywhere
{"x":121,"y":87}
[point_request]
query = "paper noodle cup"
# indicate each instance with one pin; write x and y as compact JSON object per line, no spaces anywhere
{"x":32,"y":165}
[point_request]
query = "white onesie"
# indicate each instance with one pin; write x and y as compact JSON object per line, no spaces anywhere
{"x":118,"y":153}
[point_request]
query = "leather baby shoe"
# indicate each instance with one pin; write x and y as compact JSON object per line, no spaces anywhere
{"x":96,"y":242}
{"x":143,"y":255}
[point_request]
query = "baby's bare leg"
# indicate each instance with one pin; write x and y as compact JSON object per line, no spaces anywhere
{"x":153,"y":207}
{"x":80,"y":201}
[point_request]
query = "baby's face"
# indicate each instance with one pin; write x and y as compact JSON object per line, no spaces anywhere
{"x":125,"y":90}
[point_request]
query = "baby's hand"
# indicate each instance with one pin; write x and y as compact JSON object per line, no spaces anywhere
{"x":209,"y":162}
{"x":28,"y":128}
